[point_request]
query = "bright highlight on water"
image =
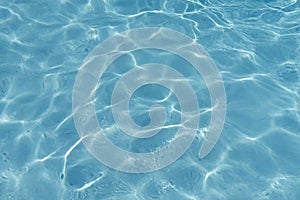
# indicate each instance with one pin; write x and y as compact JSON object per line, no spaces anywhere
{"x":95,"y":65}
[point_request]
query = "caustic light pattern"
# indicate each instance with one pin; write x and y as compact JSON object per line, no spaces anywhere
{"x":103,"y":55}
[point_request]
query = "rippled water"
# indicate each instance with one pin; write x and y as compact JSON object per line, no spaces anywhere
{"x":255,"y":45}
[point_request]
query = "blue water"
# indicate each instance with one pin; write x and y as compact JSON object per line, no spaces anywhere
{"x":255,"y":46}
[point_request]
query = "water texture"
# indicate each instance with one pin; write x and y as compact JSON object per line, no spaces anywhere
{"x":255,"y":46}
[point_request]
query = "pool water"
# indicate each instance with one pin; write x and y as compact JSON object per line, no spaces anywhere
{"x":254,"y":44}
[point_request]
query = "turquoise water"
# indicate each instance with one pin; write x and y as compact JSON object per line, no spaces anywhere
{"x":255,"y":46}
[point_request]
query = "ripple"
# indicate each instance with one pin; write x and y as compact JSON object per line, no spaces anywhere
{"x":254,"y":44}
